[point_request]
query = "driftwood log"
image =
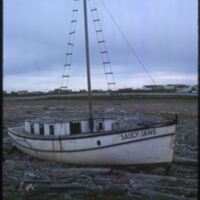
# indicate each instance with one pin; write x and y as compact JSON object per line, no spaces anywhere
{"x":185,"y":161}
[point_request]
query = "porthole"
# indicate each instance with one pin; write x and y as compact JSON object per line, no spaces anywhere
{"x":98,"y":142}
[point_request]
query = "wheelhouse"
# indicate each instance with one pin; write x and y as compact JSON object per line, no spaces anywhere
{"x":72,"y":127}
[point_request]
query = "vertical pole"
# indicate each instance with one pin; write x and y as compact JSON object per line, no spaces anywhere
{"x":88,"y":65}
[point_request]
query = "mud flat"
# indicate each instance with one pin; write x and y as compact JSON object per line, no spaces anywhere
{"x":25,"y":177}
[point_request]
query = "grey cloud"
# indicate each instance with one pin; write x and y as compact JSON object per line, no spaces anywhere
{"x":163,"y":33}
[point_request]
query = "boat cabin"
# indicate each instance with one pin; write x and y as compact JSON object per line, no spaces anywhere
{"x":60,"y":128}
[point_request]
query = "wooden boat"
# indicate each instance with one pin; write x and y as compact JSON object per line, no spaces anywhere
{"x":72,"y":142}
{"x":93,"y":141}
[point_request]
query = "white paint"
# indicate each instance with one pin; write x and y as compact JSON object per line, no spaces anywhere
{"x":108,"y":125}
{"x":61,"y":129}
{"x":46,"y":129}
{"x":36,"y":129}
{"x":57,"y":129}
{"x":27,"y":126}
{"x":84,"y":127}
{"x":153,"y":149}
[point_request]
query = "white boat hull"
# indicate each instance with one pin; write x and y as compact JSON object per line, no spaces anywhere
{"x":136,"y":147}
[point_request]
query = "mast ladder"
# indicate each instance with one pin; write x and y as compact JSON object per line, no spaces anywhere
{"x":102,"y":47}
{"x":70,"y":45}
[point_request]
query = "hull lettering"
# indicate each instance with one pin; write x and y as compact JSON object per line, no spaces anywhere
{"x":138,"y":134}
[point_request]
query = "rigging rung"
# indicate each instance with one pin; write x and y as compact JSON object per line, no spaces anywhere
{"x":72,"y":21}
{"x":72,"y":32}
{"x":108,"y":73}
{"x":96,"y":20}
{"x":111,"y":83}
{"x":99,"y":31}
{"x":70,"y":44}
{"x":106,"y":63}
{"x":63,"y":87}
{"x":103,"y":52}
{"x":101,"y":41}
{"x":66,"y":65}
{"x":65,"y":76}
{"x":68,"y":54}
{"x":94,"y":9}
{"x":75,"y":10}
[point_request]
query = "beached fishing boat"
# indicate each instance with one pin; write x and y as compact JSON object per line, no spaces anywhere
{"x":94,"y":141}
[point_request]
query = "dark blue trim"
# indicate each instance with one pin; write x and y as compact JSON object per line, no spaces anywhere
{"x":95,"y":148}
{"x":83,"y":135}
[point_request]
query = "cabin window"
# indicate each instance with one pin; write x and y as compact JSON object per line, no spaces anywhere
{"x":51,"y":129}
{"x":75,"y":128}
{"x":100,"y":126}
{"x":32,"y":128}
{"x":41,"y":129}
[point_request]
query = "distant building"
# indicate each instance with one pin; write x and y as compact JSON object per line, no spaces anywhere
{"x":61,"y":91}
{"x":82,"y":91}
{"x":177,"y":87}
{"x":58,"y":91}
{"x":126,"y":90}
{"x":153,"y":87}
{"x":194,"y":89}
{"x":170,"y":87}
{"x":181,"y":87}
{"x":22,"y":92}
{"x":13,"y":93}
{"x":97,"y":91}
{"x":36,"y":92}
{"x":50,"y":92}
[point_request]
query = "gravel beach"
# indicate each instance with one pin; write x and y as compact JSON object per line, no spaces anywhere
{"x":25,"y":177}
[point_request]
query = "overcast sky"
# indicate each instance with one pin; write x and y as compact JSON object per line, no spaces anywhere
{"x":163,"y":33}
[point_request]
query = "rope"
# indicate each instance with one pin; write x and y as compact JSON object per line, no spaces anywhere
{"x":130,"y":46}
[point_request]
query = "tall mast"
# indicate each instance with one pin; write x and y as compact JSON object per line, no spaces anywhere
{"x":88,"y":65}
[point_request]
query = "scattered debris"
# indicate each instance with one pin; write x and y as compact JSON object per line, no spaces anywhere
{"x":24,"y":175}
